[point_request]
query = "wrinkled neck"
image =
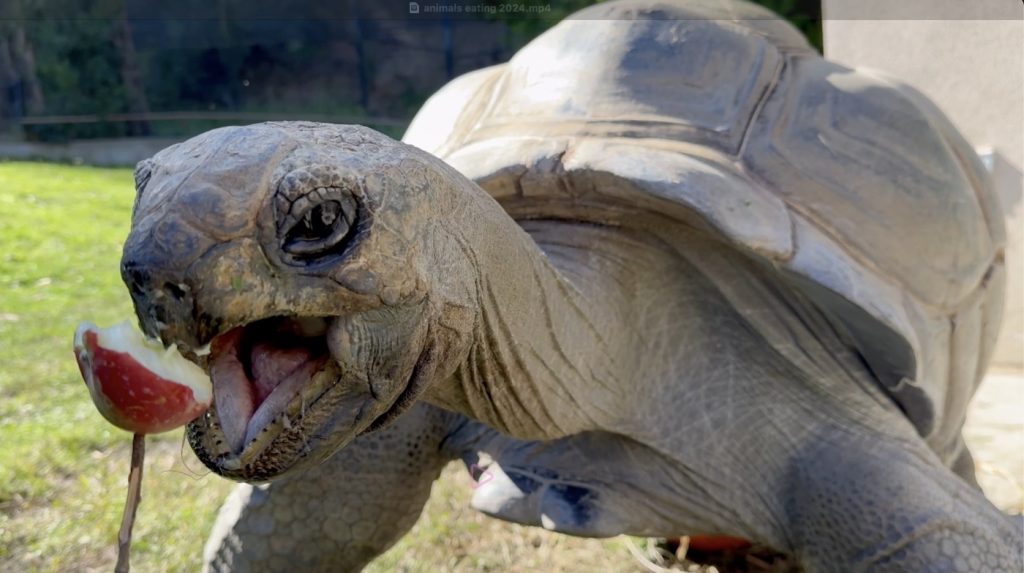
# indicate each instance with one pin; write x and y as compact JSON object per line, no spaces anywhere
{"x":579,"y":327}
{"x":554,"y":340}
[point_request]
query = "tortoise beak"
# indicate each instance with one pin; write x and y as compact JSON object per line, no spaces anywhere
{"x":155,"y":263}
{"x":165,"y":305}
{"x":187,"y":288}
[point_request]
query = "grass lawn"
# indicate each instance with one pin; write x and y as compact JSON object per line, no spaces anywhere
{"x":63,"y":469}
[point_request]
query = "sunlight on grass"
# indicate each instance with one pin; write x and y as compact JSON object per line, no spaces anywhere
{"x":62,"y":468}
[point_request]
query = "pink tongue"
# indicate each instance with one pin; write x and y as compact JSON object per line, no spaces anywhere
{"x":271,"y":365}
{"x":233,"y":395}
{"x":239,"y":399}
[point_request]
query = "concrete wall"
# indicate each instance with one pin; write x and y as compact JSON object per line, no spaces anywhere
{"x":968,"y":57}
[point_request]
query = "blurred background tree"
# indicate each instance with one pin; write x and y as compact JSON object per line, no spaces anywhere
{"x":73,"y":69}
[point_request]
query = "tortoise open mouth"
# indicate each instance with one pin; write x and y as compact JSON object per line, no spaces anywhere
{"x":259,"y":369}
{"x":286,"y":393}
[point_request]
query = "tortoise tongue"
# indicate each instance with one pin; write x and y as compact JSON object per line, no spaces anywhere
{"x":300,"y":368}
{"x":253,"y":383}
{"x":233,"y":395}
{"x":271,"y":364}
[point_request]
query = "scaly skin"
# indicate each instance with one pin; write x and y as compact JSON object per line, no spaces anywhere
{"x":339,"y":515}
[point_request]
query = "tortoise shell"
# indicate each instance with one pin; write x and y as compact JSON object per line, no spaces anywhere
{"x":854,"y":186}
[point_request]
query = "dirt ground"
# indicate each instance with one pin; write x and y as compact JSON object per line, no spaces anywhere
{"x":995,"y":435}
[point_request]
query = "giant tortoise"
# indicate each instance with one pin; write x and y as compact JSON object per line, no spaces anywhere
{"x":665,"y":272}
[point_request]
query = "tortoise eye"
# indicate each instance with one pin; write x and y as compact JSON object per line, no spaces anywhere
{"x":319,"y":230}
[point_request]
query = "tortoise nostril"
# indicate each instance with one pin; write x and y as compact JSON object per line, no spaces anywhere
{"x":159,"y":314}
{"x":138,"y":280}
{"x":136,"y":289}
{"x":134,"y":273}
{"x":176,"y":291}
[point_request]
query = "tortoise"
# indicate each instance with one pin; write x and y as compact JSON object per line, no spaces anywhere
{"x":665,"y":272}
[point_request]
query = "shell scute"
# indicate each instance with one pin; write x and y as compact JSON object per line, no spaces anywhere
{"x":865,"y":163}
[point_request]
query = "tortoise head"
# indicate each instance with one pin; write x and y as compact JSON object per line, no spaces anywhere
{"x":290,"y":260}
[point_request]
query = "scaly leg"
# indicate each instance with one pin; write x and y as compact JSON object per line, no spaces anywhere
{"x":594,"y":484}
{"x":860,"y":503}
{"x":339,"y":515}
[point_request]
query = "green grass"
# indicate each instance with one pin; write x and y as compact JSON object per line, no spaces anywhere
{"x":63,"y":469}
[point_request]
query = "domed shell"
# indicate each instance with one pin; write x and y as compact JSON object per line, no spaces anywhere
{"x":718,"y":113}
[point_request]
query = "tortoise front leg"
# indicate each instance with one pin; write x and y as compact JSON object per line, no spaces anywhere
{"x":864,"y":503}
{"x":337,"y":516}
